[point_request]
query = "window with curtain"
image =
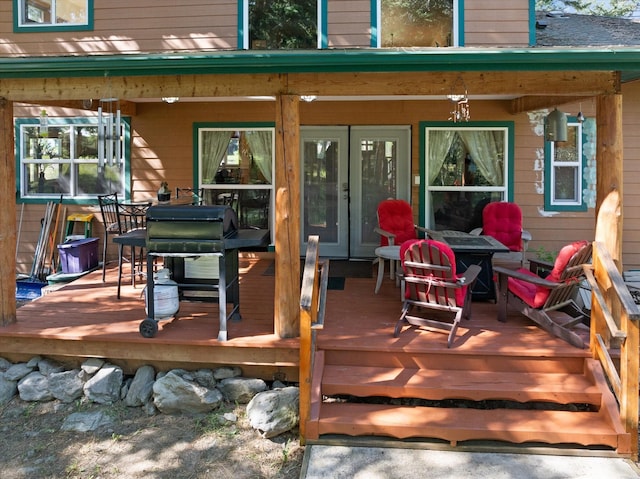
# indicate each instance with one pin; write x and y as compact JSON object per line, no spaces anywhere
{"x":566,"y":167}
{"x":54,"y":14}
{"x":465,"y":167}
{"x":416,"y":23}
{"x":62,"y":159}
{"x":235,"y":168}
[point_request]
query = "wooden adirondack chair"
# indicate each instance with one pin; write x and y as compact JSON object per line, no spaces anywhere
{"x":538,"y":298}
{"x":439,"y":295}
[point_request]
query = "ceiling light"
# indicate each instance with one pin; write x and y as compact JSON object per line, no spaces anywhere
{"x":170,"y":99}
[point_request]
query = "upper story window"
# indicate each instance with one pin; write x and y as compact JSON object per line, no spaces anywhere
{"x":416,"y":23}
{"x":465,"y":167}
{"x":285,"y":24}
{"x":53,"y":14}
{"x":62,"y":159}
{"x":565,"y":165}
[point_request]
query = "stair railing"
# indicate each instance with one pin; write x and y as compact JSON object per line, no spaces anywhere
{"x":614,"y":324}
{"x":313,"y":295}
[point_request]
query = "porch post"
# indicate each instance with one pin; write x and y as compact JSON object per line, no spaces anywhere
{"x":7,"y":216}
{"x":287,"y":218}
{"x":609,"y":161}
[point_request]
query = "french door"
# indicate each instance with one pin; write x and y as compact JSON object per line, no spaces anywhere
{"x":346,"y":172}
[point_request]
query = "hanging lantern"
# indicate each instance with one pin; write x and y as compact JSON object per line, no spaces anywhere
{"x":555,"y":126}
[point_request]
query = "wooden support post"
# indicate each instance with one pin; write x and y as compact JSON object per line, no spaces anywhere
{"x":609,"y":166}
{"x":7,"y":216}
{"x":287,"y":218}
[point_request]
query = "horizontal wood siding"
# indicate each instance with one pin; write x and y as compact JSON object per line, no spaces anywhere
{"x":631,"y":166}
{"x":121,"y":26}
{"x":496,"y":23}
{"x":349,"y":23}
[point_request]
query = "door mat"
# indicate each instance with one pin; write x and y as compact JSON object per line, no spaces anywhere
{"x":337,"y":268}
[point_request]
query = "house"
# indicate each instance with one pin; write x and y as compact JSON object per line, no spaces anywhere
{"x":307,"y":137}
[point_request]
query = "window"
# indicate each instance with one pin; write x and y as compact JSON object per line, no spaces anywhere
{"x":235,"y":168}
{"x":565,"y":163}
{"x":53,"y":14}
{"x":465,"y":167}
{"x":62,"y":159}
{"x":283,"y":24}
{"x":416,"y":23}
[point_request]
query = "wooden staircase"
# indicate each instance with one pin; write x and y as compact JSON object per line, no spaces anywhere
{"x":459,"y":397}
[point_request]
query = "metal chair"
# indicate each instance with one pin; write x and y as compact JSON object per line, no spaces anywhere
{"x":440,"y":296}
{"x":195,"y":194}
{"x":133,"y":216}
{"x":542,"y":299}
{"x":110,"y":222}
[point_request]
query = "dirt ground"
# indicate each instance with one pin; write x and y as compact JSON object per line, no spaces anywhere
{"x":136,"y":445}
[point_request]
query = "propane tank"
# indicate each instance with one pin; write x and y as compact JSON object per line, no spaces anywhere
{"x":165,"y":295}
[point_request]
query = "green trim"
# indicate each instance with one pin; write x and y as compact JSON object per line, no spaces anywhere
{"x":37,"y":28}
{"x":375,"y":28}
{"x":548,"y":206}
{"x":70,"y":121}
{"x":324,"y":24}
{"x":509,"y":125}
{"x":325,"y":61}
{"x":241,"y":32}
{"x":460,"y":23}
{"x":532,"y":22}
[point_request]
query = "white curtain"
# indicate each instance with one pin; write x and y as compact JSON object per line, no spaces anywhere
{"x":487,"y":150}
{"x":214,"y":149}
{"x":260,"y":143}
{"x":439,"y":143}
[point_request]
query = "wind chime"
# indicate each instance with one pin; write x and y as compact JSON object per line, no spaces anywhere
{"x":460,"y":99}
{"x":109,"y":133}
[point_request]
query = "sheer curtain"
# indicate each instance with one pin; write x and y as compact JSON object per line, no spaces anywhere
{"x":260,"y":143}
{"x":439,"y":143}
{"x":214,"y":148}
{"x":487,"y":150}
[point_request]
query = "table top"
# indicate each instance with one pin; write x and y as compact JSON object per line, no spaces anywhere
{"x":461,"y":242}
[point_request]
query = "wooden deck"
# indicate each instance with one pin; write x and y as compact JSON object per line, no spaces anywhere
{"x":84,"y":319}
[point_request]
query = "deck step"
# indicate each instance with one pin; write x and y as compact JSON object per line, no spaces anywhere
{"x":366,"y":381}
{"x":459,"y":424}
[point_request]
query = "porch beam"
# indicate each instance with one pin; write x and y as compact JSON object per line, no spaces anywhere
{"x":287,"y":217}
{"x":7,"y":216}
{"x":532,"y":103}
{"x":127,"y":108}
{"x":571,"y":83}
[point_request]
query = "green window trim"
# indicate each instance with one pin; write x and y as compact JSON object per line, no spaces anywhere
{"x":125,"y":189}
{"x":18,"y":27}
{"x":581,"y":170}
{"x":509,"y":163}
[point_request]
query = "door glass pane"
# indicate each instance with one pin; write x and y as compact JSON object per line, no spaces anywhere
{"x":378,"y":168}
{"x":321,"y":189}
{"x":416,"y":23}
{"x":284,"y":24}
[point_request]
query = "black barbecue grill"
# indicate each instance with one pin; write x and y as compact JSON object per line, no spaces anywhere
{"x":182,"y":233}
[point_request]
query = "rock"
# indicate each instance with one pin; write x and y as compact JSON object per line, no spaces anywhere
{"x":174,"y":394}
{"x":66,"y":386}
{"x":8,"y":389}
{"x":33,"y":362}
{"x":141,"y":388}
{"x":18,"y":371}
{"x":86,"y":421}
{"x":92,"y":365}
{"x":241,"y":390}
{"x":104,"y":386}
{"x":205,"y":377}
{"x":34,"y":387}
{"x":226,"y":372}
{"x":49,"y":366}
{"x":5,"y":364}
{"x":274,"y":412}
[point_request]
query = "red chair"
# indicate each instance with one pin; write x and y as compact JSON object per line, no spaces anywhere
{"x":503,"y":221}
{"x":440,"y":296}
{"x":395,"y":226}
{"x":540,"y":299}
